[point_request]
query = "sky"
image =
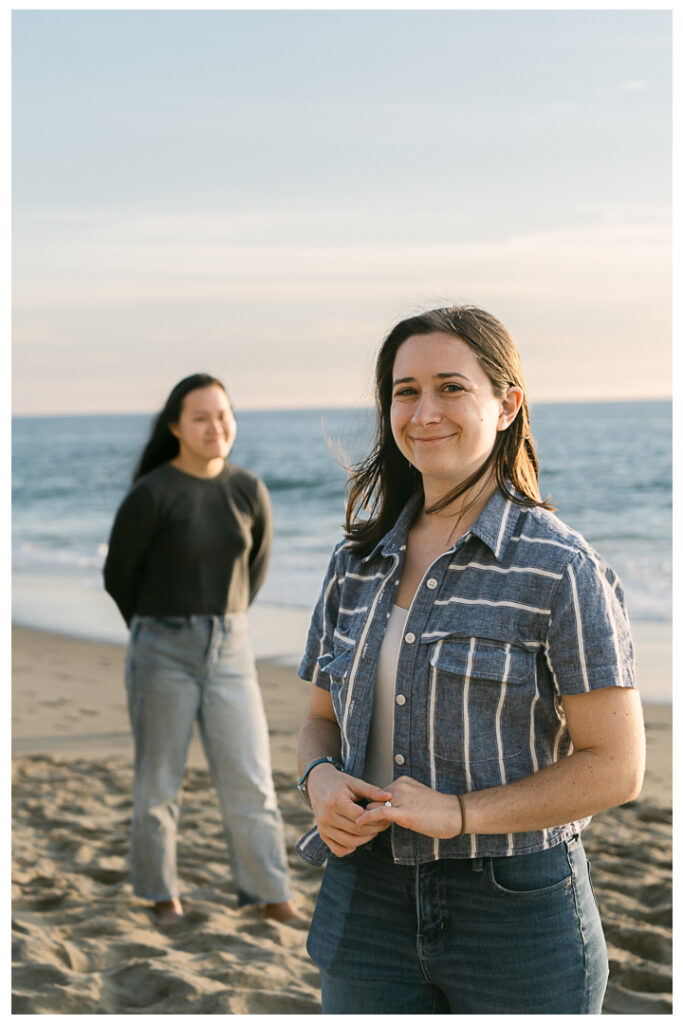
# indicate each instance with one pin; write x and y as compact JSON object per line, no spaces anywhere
{"x":262,"y":195}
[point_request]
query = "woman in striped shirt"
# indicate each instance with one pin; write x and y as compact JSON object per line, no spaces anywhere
{"x":474,"y":704}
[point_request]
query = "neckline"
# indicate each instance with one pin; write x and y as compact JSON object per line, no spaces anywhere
{"x":193,"y":476}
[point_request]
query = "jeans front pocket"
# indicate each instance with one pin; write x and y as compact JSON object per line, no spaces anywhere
{"x":528,"y":876}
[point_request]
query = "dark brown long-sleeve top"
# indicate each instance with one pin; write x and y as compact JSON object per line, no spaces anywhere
{"x":185,"y":545}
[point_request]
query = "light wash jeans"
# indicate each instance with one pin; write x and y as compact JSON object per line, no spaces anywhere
{"x":202,"y":668}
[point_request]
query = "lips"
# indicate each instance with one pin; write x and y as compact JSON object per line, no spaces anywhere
{"x":429,"y":440}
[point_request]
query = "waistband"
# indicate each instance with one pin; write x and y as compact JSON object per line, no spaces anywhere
{"x":380,"y":847}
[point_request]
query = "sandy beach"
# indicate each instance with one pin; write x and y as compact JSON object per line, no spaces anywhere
{"x":84,"y":944}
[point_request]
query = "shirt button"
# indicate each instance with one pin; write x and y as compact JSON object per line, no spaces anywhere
{"x":400,"y":759}
{"x":432,"y":583}
{"x":400,"y":699}
{"x":410,"y":638}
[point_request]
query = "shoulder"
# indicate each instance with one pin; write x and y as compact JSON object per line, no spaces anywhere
{"x":238,"y":480}
{"x":158,"y":479}
{"x":544,"y":541}
{"x":149,"y":490}
{"x":540,"y":534}
{"x":341,"y":561}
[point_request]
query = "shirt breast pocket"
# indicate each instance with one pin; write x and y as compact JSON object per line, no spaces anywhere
{"x":482,"y":693}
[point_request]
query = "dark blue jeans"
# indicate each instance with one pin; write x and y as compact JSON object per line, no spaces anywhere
{"x":493,"y":935}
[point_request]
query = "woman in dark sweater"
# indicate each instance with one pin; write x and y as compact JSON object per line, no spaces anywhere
{"x":187,"y":554}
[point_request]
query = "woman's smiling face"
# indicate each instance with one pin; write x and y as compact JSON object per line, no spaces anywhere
{"x":444,"y":413}
{"x":206,"y":428}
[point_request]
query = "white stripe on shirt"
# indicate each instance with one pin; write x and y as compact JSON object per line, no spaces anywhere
{"x":579,"y":626}
{"x":499,"y":712}
{"x":359,"y":650}
{"x":323,"y":635}
{"x":532,"y":723}
{"x":432,"y":709}
{"x":503,"y":521}
{"x":500,"y":569}
{"x":466,"y":733}
{"x":432,"y":759}
{"x":610,"y":616}
{"x":494,"y":604}
{"x":360,"y":576}
{"x":544,"y":540}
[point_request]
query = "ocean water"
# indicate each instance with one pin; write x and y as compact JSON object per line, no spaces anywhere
{"x":606,"y":465}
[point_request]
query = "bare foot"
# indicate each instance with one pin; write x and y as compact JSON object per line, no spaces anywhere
{"x":286,"y":912}
{"x":168,"y":913}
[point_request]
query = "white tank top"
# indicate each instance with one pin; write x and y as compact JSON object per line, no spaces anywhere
{"x":379,"y":759}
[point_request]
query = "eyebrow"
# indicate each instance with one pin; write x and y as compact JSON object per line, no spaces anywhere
{"x":437,"y":376}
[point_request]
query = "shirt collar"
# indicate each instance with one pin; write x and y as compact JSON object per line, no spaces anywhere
{"x":396,"y":538}
{"x":494,"y":526}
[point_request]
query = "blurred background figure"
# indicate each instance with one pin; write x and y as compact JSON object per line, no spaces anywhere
{"x":188,"y":552}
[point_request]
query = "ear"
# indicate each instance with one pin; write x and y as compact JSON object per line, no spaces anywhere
{"x":173,"y":427}
{"x":510,"y":404}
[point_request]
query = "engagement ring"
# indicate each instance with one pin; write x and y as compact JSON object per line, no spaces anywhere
{"x":388,"y":803}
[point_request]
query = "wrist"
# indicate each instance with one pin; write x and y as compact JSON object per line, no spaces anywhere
{"x":318,"y":762}
{"x":462,"y":815}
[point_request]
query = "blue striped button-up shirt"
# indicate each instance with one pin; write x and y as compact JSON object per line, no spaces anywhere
{"x":519,"y":612}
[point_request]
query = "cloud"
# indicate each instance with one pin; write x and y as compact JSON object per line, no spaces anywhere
{"x":185,"y":260}
{"x":94,"y":298}
{"x":631,"y":86}
{"x":634,"y":86}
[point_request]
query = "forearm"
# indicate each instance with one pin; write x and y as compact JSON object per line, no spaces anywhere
{"x":318,"y":737}
{"x":578,"y":786}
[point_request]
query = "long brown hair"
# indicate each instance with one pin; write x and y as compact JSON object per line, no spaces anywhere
{"x":382,"y":483}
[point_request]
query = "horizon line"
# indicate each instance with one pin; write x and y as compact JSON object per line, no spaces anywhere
{"x":328,"y":408}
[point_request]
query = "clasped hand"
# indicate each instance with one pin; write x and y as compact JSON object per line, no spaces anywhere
{"x":344,"y":824}
{"x":416,"y":807}
{"x":338,"y":802}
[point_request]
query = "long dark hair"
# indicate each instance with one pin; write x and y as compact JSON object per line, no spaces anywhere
{"x":382,"y":483}
{"x":163,"y":445}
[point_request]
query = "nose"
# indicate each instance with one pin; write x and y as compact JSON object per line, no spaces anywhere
{"x":427,"y":410}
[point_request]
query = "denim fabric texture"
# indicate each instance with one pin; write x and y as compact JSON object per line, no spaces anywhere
{"x":519,"y":612}
{"x":179,"y":670}
{"x":490,"y":935}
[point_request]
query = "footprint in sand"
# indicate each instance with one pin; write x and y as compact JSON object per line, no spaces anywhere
{"x":107,"y":870}
{"x":662,"y":916}
{"x":648,"y":945}
{"x":101,"y":925}
{"x":123,"y":952}
{"x":141,"y":985}
{"x":274,"y":1002}
{"x":32,"y":976}
{"x":645,"y":978}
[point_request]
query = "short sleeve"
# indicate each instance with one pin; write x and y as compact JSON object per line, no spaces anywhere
{"x":320,"y":632}
{"x":589,"y":643}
